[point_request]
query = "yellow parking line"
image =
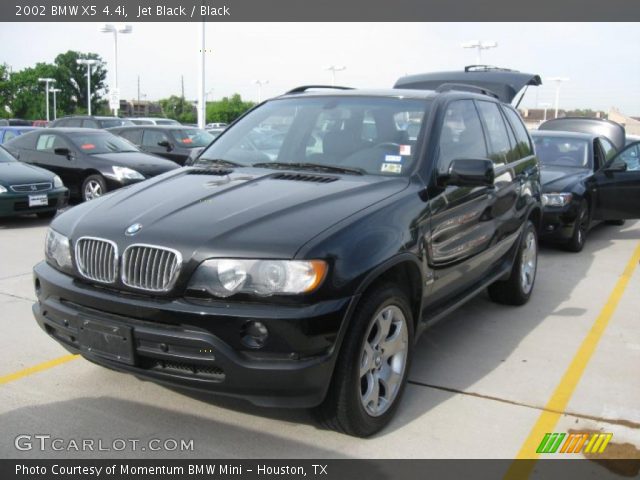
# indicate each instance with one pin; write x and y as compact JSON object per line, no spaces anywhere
{"x":563,"y":392}
{"x":36,"y":368}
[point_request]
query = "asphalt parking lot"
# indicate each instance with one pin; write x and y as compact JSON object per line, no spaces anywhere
{"x":484,"y":383}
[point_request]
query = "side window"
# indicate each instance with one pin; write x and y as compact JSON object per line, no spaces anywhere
{"x":134,"y":136}
{"x":631,"y":156}
{"x":8,"y":135}
{"x":461,"y":135}
{"x":522,"y":136}
{"x":608,"y":149}
{"x":61,"y":123}
{"x":89,"y":123}
{"x":499,"y":145}
{"x":151,"y":138}
{"x":47,"y":142}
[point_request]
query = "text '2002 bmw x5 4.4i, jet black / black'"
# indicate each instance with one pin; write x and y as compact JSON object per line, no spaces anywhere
{"x":302,"y":277}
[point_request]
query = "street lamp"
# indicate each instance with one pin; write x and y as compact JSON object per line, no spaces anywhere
{"x":479,"y":45}
{"x":115,"y":29}
{"x":88,"y":62}
{"x":47,"y":81}
{"x":545,"y":105}
{"x":259,"y":84}
{"x":333,"y":69}
{"x":558,"y":81}
{"x":55,"y":108}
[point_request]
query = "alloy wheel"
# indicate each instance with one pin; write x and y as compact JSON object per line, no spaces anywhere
{"x":529,"y":262}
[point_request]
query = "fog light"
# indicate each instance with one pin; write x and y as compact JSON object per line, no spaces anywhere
{"x":254,"y":334}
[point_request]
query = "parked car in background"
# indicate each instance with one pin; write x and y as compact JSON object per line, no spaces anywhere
{"x":7,"y":133}
{"x":84,"y":121}
{"x":90,"y":162}
{"x":25,"y":189}
{"x":629,"y":139}
{"x":171,"y":142}
{"x":302,"y":279}
{"x":14,"y":122}
{"x":40,"y":123}
{"x":585,"y":180}
{"x":221,"y":125}
{"x":215,"y":131}
{"x":153,"y":121}
{"x":600,"y":127}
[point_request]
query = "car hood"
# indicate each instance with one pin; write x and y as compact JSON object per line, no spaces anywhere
{"x":148,"y":165}
{"x":557,"y":179}
{"x":18,"y":173}
{"x":248,"y":212}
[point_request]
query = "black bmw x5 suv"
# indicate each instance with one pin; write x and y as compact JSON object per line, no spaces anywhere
{"x":301,"y":276}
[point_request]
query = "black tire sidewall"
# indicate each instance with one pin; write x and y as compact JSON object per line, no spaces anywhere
{"x":576,"y":244}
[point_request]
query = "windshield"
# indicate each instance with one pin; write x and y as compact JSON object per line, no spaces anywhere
{"x":6,"y":157}
{"x":555,"y":151}
{"x":375,"y":135}
{"x":192,"y":137}
{"x":96,"y":143}
{"x":116,"y":122}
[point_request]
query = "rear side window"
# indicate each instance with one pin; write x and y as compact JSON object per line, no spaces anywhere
{"x":522,"y":136}
{"x":134,"y":136}
{"x":499,"y":145}
{"x":8,"y":135}
{"x":48,"y":142}
{"x":461,"y":136}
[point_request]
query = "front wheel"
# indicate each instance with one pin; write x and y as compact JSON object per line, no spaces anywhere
{"x":580,"y":229}
{"x":94,"y":186}
{"x":517,"y":289}
{"x":371,"y":372}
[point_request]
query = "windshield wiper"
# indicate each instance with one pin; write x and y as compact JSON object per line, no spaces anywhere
{"x":218,"y":161}
{"x":311,"y":166}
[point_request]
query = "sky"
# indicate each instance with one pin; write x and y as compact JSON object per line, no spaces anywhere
{"x":599,"y":59}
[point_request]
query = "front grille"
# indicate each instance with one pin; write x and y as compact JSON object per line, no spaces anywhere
{"x":31,"y":187}
{"x":97,"y":259}
{"x":150,"y":268}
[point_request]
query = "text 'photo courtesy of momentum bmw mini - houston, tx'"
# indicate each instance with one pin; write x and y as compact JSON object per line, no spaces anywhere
{"x":319,"y":248}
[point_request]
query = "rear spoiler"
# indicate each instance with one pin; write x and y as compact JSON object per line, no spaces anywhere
{"x":500,"y":82}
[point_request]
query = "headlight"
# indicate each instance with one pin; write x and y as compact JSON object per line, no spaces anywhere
{"x":3,"y":189}
{"x":57,"y":249}
{"x":556,"y":199}
{"x":226,"y":277}
{"x":125,"y":173}
{"x":57,"y":182}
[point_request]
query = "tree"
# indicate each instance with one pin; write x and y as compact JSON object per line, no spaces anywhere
{"x":6,"y":92}
{"x":227,"y":109}
{"x":28,"y":94}
{"x":179,"y":109}
{"x":72,"y":80}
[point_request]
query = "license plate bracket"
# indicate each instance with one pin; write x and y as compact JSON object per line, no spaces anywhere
{"x":114,"y":342}
{"x":38,"y":200}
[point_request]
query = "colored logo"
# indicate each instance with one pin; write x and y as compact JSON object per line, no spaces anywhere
{"x":574,"y":443}
{"x":133,"y":229}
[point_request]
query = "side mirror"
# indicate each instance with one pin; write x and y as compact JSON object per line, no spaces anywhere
{"x":165,"y":144}
{"x":616,"y":167}
{"x":470,"y":172}
{"x":65,"y":152}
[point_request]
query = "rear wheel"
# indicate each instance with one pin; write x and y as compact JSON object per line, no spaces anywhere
{"x":580,"y":229}
{"x":517,"y":289}
{"x":94,"y":186}
{"x":373,"y":364}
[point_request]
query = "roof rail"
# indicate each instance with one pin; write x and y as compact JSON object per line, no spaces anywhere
{"x":486,"y":68}
{"x":447,"y":87}
{"x":304,"y":88}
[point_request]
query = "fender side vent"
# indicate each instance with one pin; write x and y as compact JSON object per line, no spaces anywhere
{"x":301,"y":177}
{"x":210,"y":171}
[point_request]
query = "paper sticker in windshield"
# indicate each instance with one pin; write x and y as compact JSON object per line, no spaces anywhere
{"x":87,"y":146}
{"x":392,"y":158}
{"x":186,"y":140}
{"x":391,"y":168}
{"x":405,"y":150}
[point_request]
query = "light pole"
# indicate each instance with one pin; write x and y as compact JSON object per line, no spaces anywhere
{"x":55,"y":108}
{"x":545,"y":105}
{"x":202,"y":100}
{"x":259,"y":84}
{"x":88,"y":62}
{"x":558,"y":81}
{"x":115,"y":29}
{"x":333,"y":69}
{"x":479,"y":45}
{"x":47,"y":81}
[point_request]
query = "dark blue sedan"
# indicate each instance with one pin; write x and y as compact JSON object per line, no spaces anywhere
{"x":7,"y":133}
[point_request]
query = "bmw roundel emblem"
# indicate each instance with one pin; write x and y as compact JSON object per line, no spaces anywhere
{"x":133,"y":229}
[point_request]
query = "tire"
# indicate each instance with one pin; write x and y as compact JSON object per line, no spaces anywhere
{"x":360,"y":368}
{"x":580,"y":229}
{"x":47,"y":215}
{"x":93,"y":186}
{"x":517,"y":289}
{"x":616,"y":222}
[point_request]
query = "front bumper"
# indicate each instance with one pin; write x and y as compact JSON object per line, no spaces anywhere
{"x":189,"y":344}
{"x":12,"y":204}
{"x":558,"y":223}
